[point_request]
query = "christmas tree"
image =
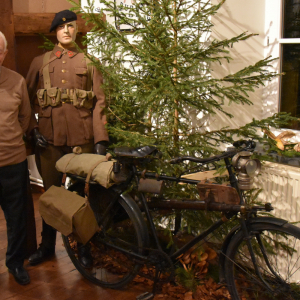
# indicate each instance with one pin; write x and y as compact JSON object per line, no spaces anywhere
{"x":156,"y":60}
{"x":156,"y":66}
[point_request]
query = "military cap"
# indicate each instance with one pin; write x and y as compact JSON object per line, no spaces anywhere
{"x":62,"y":17}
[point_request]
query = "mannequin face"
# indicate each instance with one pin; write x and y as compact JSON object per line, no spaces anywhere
{"x":3,"y":51}
{"x":66,"y":34}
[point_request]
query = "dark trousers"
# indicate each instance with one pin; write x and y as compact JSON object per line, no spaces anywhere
{"x":13,"y":201}
{"x":47,"y":159}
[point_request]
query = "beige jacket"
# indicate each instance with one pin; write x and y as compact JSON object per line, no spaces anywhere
{"x":15,"y":114}
{"x":65,"y":124}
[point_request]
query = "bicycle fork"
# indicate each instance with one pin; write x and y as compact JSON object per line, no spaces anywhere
{"x":248,"y":239}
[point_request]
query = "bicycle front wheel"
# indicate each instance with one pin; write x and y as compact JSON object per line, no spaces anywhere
{"x":276,"y":273}
{"x":121,"y":228}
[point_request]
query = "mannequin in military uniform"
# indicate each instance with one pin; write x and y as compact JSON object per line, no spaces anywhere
{"x":65,"y":91}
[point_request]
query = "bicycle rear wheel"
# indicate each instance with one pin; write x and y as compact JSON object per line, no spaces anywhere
{"x":277,"y":253}
{"x":124,"y":227}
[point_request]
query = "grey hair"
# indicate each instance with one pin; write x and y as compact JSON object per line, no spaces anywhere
{"x":4,"y":40}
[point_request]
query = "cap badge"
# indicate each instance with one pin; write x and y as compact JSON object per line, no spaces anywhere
{"x":64,"y":19}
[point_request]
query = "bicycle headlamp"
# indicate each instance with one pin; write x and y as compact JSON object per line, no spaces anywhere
{"x":246,"y":168}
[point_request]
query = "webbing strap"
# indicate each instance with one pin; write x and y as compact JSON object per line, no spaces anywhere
{"x":46,"y":72}
{"x":45,"y":68}
{"x":87,"y":180}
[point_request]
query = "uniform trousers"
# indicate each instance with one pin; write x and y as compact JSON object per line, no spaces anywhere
{"x":13,"y":201}
{"x":47,"y":159}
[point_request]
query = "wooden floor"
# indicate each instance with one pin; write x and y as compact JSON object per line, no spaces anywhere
{"x":55,"y":279}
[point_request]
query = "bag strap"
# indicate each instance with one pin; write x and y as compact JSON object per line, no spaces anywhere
{"x":87,"y":180}
{"x":45,"y":69}
{"x":71,"y":157}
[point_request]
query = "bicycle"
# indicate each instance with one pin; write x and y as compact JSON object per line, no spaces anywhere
{"x":258,"y":258}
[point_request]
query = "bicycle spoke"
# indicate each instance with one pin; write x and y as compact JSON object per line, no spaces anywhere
{"x":277,"y":261}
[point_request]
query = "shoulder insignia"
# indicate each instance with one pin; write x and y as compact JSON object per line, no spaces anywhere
{"x":71,"y":53}
{"x":58,"y":54}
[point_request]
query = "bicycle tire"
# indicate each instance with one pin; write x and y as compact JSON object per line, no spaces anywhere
{"x":124,"y":228}
{"x":282,"y":247}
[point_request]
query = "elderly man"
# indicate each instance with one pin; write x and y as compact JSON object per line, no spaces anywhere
{"x":66,"y":92}
{"x":15,"y":115}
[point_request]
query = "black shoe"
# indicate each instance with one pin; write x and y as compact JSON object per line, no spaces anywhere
{"x":20,"y":274}
{"x":84,"y":255}
{"x":40,"y":255}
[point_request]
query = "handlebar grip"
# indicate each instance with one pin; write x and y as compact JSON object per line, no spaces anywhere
{"x":175,"y":160}
{"x":250,"y":144}
{"x":239,"y":143}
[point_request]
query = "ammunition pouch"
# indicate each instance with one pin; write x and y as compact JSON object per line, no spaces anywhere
{"x":55,"y":96}
{"x":41,"y":95}
{"x":82,"y":98}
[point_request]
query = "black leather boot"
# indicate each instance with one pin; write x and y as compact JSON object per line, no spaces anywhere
{"x":84,"y":255}
{"x":20,"y":274}
{"x":40,"y":255}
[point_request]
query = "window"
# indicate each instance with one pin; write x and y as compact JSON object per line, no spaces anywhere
{"x":290,"y":64}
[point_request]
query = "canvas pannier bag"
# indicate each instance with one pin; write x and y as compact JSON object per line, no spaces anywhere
{"x":100,"y":167}
{"x":68,"y":213}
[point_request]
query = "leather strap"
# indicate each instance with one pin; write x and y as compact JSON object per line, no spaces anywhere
{"x":87,"y":180}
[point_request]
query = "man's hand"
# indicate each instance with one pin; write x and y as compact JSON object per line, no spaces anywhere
{"x":100,"y":148}
{"x":39,"y":139}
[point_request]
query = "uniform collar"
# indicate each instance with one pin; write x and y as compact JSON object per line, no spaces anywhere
{"x":58,"y":51}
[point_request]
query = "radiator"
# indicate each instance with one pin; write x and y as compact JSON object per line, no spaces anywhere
{"x":281,"y":187}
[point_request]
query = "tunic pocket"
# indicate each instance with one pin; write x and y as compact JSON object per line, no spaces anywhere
{"x":45,"y":123}
{"x":81,"y":77}
{"x":87,"y":120}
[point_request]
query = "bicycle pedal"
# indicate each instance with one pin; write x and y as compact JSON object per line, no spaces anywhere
{"x":145,"y":296}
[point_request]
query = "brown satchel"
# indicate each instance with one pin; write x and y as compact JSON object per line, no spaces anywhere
{"x":68,"y":213}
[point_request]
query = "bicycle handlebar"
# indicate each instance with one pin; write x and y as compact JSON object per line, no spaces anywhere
{"x":249,"y":145}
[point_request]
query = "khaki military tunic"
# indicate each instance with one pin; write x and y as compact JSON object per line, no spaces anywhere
{"x":66,"y":124}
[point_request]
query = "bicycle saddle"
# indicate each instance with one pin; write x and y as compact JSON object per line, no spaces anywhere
{"x":135,"y":152}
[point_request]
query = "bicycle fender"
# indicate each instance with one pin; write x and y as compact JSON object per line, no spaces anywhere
{"x":234,"y":230}
{"x":138,"y":215}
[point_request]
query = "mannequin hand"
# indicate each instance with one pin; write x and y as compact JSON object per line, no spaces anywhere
{"x":100,"y":148}
{"x":39,"y":139}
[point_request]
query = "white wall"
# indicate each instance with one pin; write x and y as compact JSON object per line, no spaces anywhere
{"x":233,"y":18}
{"x":272,"y":47}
